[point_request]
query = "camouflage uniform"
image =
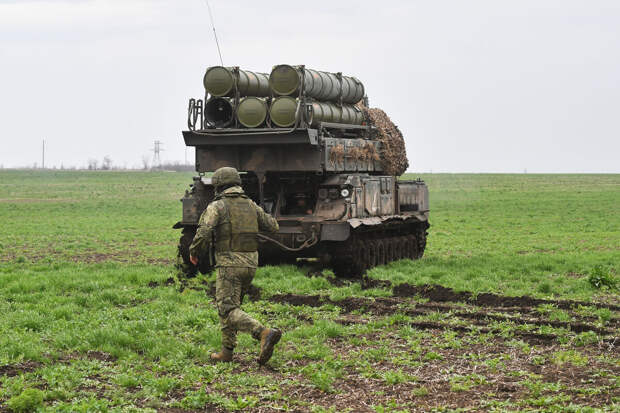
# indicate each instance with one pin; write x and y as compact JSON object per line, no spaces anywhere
{"x":231,"y":223}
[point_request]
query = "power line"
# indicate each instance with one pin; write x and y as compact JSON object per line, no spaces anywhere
{"x":156,"y":150}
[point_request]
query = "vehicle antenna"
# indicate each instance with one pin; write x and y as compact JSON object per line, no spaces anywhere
{"x":214,"y":32}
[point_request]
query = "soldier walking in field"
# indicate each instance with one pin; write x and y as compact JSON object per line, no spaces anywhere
{"x":230,"y":225}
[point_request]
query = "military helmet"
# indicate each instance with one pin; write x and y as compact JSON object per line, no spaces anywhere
{"x":225,"y":176}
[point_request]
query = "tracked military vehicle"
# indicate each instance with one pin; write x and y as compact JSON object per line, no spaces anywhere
{"x":310,"y":154}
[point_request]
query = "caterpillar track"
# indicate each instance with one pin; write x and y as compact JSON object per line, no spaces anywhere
{"x":371,"y":248}
{"x":364,"y":250}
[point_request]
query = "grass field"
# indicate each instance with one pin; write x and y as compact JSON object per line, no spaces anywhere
{"x":512,"y":307}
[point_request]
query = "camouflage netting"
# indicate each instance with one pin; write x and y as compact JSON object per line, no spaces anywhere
{"x":366,"y":153}
{"x":393,"y":154}
{"x":336,"y":155}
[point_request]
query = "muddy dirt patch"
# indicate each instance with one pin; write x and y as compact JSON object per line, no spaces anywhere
{"x":12,"y":370}
{"x":373,"y":283}
{"x":101,"y":356}
{"x":167,"y":282}
{"x":294,"y":299}
{"x":463,"y":320}
{"x":442,"y":294}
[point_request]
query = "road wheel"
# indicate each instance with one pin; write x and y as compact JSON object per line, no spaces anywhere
{"x":408,"y":247}
{"x":404,"y":247}
{"x":380,"y":252}
{"x":389,"y":249}
{"x":421,"y":238}
{"x":365,"y":254}
{"x":372,"y":253}
{"x":398,"y":248}
{"x":414,"y":247}
{"x":360,"y":259}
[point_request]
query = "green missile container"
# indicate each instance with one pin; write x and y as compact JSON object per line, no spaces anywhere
{"x":252,"y":111}
{"x":285,"y":80}
{"x":219,"y":112}
{"x":283,"y":111}
{"x":328,"y":112}
{"x":351,"y":115}
{"x":220,"y":81}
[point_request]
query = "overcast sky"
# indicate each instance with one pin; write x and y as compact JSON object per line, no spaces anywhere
{"x":475,"y":86}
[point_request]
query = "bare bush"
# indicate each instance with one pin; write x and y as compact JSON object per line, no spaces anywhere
{"x":106,"y":165}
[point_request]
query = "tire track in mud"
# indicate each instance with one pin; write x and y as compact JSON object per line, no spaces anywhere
{"x":573,"y":326}
{"x":476,"y":319}
{"x":521,"y":305}
{"x":518,"y":312}
{"x":439,"y":293}
{"x":387,"y":306}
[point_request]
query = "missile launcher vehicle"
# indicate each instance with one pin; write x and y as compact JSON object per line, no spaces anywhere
{"x":314,"y":156}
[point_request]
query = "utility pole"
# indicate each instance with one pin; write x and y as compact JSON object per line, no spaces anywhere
{"x":156,"y":150}
{"x":43,"y":156}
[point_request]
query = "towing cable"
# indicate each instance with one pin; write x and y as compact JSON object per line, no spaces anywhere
{"x":307,"y":244}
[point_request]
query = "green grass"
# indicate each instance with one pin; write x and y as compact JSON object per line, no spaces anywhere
{"x":79,"y":249}
{"x":540,"y":235}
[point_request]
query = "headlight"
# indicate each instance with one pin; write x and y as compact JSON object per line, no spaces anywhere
{"x":344,"y":193}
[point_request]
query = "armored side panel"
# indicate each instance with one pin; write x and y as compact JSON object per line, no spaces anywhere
{"x":379,"y":196}
{"x":413,"y":196}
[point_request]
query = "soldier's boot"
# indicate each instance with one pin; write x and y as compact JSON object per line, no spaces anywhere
{"x":226,"y":355}
{"x":269,"y":337}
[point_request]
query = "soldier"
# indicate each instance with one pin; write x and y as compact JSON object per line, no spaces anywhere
{"x":230,"y":224}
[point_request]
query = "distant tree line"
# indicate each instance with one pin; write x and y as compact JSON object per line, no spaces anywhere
{"x":106,"y":164}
